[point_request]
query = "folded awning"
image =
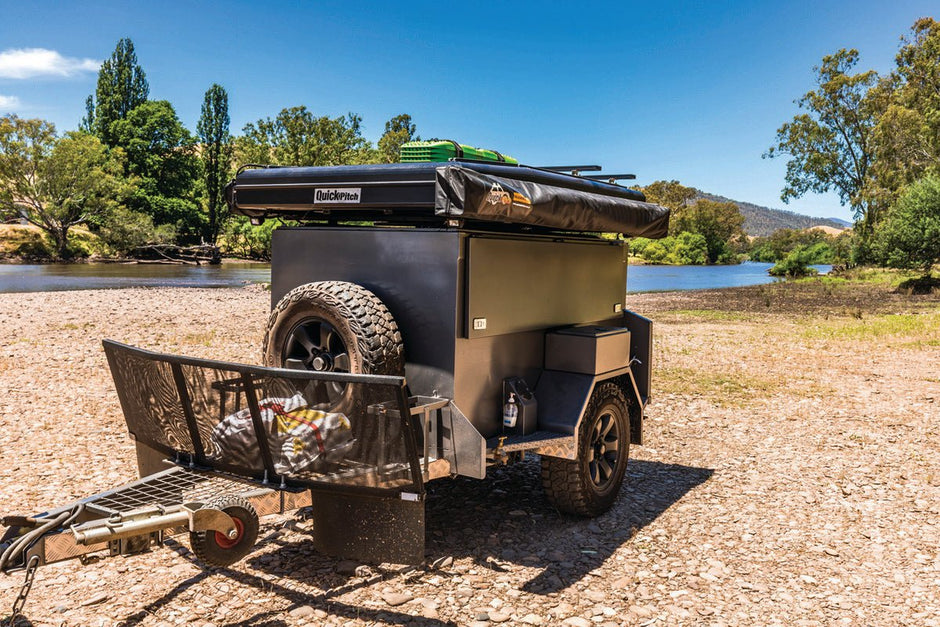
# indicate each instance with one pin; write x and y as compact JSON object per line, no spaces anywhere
{"x":575,"y":205}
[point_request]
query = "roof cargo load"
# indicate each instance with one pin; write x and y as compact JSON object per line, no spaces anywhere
{"x":481,"y":195}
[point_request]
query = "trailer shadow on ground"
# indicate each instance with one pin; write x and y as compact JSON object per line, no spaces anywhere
{"x":500,"y":523}
{"x":507,"y":520}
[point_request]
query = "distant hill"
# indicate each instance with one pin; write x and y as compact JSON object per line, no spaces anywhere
{"x":762,"y":221}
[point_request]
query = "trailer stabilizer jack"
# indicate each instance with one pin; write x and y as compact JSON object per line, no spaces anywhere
{"x":195,"y":516}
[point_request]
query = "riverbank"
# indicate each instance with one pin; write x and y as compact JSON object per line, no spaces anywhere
{"x":26,"y":244}
{"x":788,"y":476}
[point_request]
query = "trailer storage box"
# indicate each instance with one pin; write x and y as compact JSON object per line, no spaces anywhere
{"x":587,"y":350}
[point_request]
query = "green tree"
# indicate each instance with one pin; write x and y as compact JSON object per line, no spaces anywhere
{"x":670,"y":194}
{"x":242,"y":240}
{"x":778,"y":244}
{"x":399,"y":130}
{"x":720,"y":223}
{"x":216,"y":152}
{"x":909,"y":237}
{"x":122,"y":87}
{"x":829,"y":148}
{"x":298,"y":137}
{"x":907,"y":136}
{"x":55,"y":184}
{"x":681,"y":249}
{"x":162,"y":160}
{"x":124,"y":230}
{"x":797,"y":263}
{"x":87,"y":123}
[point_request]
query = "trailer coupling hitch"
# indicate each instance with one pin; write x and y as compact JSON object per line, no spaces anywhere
{"x":195,"y":516}
{"x":15,"y":552}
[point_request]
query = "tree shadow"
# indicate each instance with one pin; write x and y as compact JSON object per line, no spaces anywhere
{"x":304,"y":564}
{"x":497,"y":522}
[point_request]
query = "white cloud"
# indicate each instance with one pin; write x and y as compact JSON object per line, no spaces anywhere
{"x":8,"y":102}
{"x":32,"y":62}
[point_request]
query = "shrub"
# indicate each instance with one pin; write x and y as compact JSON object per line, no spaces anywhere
{"x":797,"y":263}
{"x":242,"y":240}
{"x":124,"y":230}
{"x":686,"y":249}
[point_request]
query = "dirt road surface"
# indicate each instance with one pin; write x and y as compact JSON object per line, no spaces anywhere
{"x":790,"y":476}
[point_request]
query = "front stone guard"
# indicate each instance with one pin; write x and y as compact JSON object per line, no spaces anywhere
{"x":367,"y":504}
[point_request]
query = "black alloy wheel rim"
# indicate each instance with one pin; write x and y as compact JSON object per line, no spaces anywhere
{"x":605,"y":449}
{"x":318,"y":345}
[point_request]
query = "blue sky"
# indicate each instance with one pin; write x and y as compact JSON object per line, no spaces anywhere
{"x":692,"y":91}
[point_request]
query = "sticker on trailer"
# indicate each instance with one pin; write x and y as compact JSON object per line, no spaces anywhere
{"x":337,"y":195}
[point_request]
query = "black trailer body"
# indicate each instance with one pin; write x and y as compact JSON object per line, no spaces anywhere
{"x":497,"y":281}
{"x":474,"y":309}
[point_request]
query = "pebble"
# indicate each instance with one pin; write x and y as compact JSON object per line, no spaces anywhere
{"x":596,"y":595}
{"x":95,"y":599}
{"x":301,"y":612}
{"x":442,"y":563}
{"x":347,"y":567}
{"x":397,"y":598}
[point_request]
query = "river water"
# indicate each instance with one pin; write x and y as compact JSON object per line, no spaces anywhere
{"x":674,"y":278}
{"x":89,"y":276}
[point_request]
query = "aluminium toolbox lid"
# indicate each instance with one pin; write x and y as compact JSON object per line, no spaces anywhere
{"x":592,"y":331}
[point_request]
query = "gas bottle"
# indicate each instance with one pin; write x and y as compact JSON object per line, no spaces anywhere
{"x":510,"y":412}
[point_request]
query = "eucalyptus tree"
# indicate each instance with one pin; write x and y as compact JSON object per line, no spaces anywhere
{"x":829,"y":147}
{"x":55,"y":183}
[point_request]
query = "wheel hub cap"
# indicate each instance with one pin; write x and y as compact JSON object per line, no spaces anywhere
{"x":605,"y":442}
{"x":319,"y":346}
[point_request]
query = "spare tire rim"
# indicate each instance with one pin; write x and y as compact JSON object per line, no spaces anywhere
{"x":605,"y":447}
{"x":318,"y":345}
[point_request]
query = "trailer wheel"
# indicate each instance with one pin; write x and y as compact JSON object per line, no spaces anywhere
{"x":334,"y":326}
{"x":217,"y":549}
{"x":589,"y":485}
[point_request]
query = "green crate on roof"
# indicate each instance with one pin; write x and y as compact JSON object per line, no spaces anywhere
{"x":414,"y":152}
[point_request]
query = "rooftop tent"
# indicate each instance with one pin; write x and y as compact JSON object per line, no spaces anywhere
{"x":480,"y":195}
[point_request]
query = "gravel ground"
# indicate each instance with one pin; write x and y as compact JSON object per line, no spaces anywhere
{"x":790,"y":477}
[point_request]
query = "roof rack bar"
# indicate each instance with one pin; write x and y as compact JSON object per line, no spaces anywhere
{"x":610,"y":178}
{"x":571,"y":168}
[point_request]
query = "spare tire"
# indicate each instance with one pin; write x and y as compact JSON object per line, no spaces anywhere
{"x":334,"y":326}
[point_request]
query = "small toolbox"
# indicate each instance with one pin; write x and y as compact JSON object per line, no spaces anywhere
{"x":587,"y":350}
